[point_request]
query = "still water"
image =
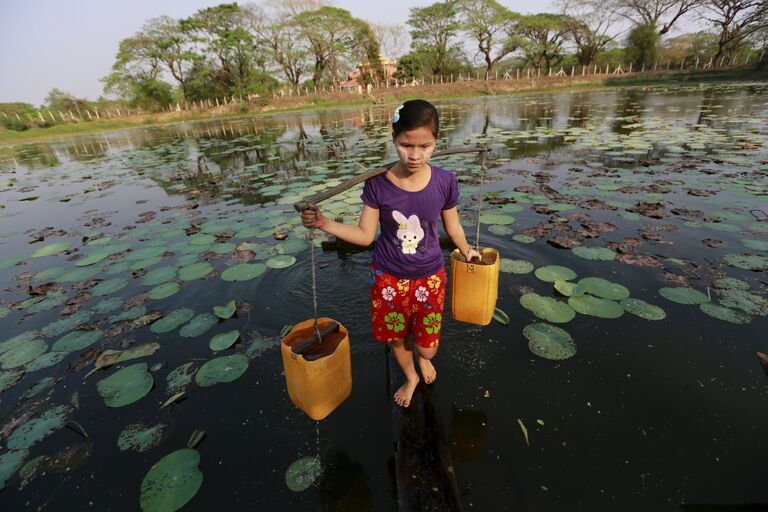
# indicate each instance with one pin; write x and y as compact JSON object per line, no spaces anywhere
{"x":668,"y":414}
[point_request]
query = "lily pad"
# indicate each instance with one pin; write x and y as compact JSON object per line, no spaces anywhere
{"x":594,"y":253}
{"x":515,"y":266}
{"x":303,"y":473}
{"x":10,"y":461}
{"x":549,"y":341}
{"x":164,"y":291}
{"x":91,"y":259}
{"x":643,"y":309}
{"x":552,"y":273}
{"x":603,"y":288}
{"x":731,"y":315}
{"x":746,"y":261}
{"x":125,"y":386}
{"x":50,"y":250}
{"x":159,"y":276}
{"x":140,"y":437}
{"x":180,"y":377}
{"x":523,"y":239}
{"x":594,"y":306}
{"x":22,"y":354}
{"x":37,"y":429}
{"x":110,"y":286}
{"x":568,"y":288}
{"x":243,"y":272}
{"x":496,"y":218}
{"x":59,"y":327}
{"x":755,"y":245}
{"x":280,"y":261}
{"x":172,"y":320}
{"x":76,"y":340}
{"x":547,"y":308}
{"x":683,"y":295}
{"x":195,"y":271}
{"x":726,"y":283}
{"x":225,"y":311}
{"x":171,"y":482}
{"x":224,"y":340}
{"x":744,"y":300}
{"x":198,"y":325}
{"x":221,"y":369}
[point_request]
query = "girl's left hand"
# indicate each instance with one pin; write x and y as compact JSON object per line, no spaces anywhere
{"x":472,"y":254}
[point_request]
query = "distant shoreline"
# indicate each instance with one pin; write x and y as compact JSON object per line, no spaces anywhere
{"x":312,"y":102}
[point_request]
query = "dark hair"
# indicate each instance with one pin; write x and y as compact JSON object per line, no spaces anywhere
{"x":414,"y":114}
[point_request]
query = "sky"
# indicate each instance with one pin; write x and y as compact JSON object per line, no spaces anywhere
{"x":70,"y":45}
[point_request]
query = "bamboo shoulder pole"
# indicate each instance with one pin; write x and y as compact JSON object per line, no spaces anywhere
{"x":338,"y":189}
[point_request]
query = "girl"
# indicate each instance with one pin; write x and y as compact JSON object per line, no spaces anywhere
{"x":407,"y":272}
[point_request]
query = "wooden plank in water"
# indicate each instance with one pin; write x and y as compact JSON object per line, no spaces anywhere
{"x":424,"y":471}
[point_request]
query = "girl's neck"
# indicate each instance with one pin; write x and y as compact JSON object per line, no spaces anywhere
{"x":410,"y":181}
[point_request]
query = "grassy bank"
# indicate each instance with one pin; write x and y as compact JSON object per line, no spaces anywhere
{"x":391,"y":95}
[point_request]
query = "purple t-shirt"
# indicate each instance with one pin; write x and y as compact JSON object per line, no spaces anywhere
{"x":409,"y":245}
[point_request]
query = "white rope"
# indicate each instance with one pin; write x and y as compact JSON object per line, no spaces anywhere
{"x":314,"y":279}
{"x":480,"y":202}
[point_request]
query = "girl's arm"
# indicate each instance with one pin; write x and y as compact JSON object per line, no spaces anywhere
{"x":456,"y":231}
{"x":362,"y":234}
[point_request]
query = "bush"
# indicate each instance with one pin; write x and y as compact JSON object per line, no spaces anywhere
{"x":15,"y":124}
{"x":642,"y":44}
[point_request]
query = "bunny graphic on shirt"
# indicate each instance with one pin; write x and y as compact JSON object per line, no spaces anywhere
{"x":409,"y":231}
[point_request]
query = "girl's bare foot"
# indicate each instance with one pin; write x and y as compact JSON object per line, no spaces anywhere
{"x":405,"y":393}
{"x":427,"y":370}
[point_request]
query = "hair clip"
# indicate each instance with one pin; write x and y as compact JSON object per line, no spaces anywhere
{"x":396,"y":115}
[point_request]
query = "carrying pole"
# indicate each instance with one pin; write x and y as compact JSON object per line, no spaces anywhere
{"x":338,"y":189}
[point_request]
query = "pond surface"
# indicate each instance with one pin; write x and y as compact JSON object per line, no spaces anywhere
{"x":660,"y":408}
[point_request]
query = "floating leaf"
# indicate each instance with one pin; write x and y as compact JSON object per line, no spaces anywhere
{"x":37,"y":429}
{"x":50,"y":250}
{"x":552,"y":273}
{"x":225,"y":311}
{"x":59,"y":327}
{"x":224,"y":340}
{"x":180,"y":377}
{"x":195,"y":271}
{"x":76,"y":340}
{"x":569,"y":289}
{"x":496,"y":218}
{"x":594,"y":253}
{"x":500,"y":316}
{"x":22,"y":353}
{"x":547,"y":308}
{"x":198,"y":325}
{"x":524,"y":430}
{"x":221,"y":369}
{"x":594,"y":306}
{"x":746,"y":261}
{"x":549,"y":341}
{"x":111,"y":357}
{"x":11,"y":378}
{"x":125,"y":386}
{"x":602,"y":288}
{"x":141,"y":437}
{"x":683,"y":295}
{"x":524,"y":239}
{"x":171,"y":482}
{"x":164,"y":291}
{"x":110,"y":286}
{"x":91,"y":259}
{"x":159,"y":276}
{"x":755,"y":245}
{"x":280,"y":261}
{"x":173,"y":399}
{"x":730,"y":282}
{"x":515,"y":266}
{"x":243,"y":272}
{"x":733,"y":316}
{"x":303,"y":473}
{"x":643,"y":309}
{"x":172,"y":320}
{"x":10,"y":461}
{"x":744,"y":300}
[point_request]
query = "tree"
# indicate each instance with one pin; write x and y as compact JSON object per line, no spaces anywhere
{"x":392,"y":39}
{"x":659,"y":14}
{"x":283,"y":39}
{"x":689,"y":48}
{"x":491,"y":26}
{"x":137,"y":60}
{"x":736,"y":20}
{"x":224,"y":44}
{"x":588,"y":23}
{"x":641,"y":45}
{"x":434,"y":27}
{"x":334,"y":34}
{"x":544,"y":36}
{"x":171,"y":47}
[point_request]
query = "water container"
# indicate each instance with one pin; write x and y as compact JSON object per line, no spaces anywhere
{"x":320,"y":379}
{"x":474,"y":287}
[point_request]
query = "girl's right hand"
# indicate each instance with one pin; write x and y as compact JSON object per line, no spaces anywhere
{"x":312,"y":218}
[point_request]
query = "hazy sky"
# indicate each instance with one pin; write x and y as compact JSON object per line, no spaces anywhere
{"x":71,"y":45}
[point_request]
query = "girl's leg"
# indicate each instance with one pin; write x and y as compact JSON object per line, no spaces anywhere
{"x":404,"y":358}
{"x":427,"y":368}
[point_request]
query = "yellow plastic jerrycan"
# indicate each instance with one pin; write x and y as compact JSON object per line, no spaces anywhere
{"x":474,"y":287}
{"x":320,"y":379}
